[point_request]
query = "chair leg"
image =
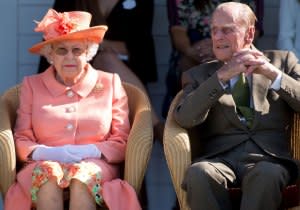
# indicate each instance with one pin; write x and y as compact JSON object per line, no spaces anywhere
{"x":144,"y":196}
{"x":176,"y":205}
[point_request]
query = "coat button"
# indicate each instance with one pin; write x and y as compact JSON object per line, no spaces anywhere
{"x":70,"y":93}
{"x":69,"y":126}
{"x":70,"y":109}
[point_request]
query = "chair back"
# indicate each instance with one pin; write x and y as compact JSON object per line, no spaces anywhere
{"x":295,"y":136}
{"x":8,"y":106}
{"x":11,"y":101}
{"x":140,"y":140}
{"x":178,"y":153}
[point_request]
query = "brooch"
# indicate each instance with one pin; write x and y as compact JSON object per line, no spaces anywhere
{"x":98,"y":87}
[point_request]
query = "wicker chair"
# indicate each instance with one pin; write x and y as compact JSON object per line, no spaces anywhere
{"x":180,"y":146}
{"x":139,"y":144}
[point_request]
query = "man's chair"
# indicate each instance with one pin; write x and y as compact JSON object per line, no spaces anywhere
{"x":139,"y":144}
{"x":180,"y":145}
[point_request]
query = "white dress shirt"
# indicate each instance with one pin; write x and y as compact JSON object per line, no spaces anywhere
{"x":275,"y":85}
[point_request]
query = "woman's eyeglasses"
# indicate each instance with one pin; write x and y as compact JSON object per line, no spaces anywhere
{"x":76,"y":51}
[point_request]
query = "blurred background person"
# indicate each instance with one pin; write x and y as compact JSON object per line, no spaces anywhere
{"x":289,"y":26}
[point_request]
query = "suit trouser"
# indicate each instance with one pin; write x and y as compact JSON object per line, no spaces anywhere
{"x":260,"y":177}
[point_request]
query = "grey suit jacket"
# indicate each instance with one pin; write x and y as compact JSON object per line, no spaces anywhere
{"x":207,"y":104}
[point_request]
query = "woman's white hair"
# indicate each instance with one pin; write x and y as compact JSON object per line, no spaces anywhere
{"x":92,"y":49}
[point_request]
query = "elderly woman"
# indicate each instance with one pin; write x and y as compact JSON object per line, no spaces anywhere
{"x":72,"y":124}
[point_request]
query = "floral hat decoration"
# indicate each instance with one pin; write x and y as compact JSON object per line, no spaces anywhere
{"x":67,"y":26}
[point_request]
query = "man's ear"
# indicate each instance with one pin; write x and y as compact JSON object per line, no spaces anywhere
{"x":250,"y":33}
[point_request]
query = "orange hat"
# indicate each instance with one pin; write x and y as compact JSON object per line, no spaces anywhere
{"x":67,"y":26}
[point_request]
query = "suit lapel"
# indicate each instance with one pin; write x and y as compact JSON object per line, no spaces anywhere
{"x":229,"y":107}
{"x":260,"y":88}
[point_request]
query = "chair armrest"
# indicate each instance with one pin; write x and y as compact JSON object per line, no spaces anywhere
{"x":178,"y":152}
{"x":7,"y":150}
{"x":140,"y":140}
{"x":295,"y":136}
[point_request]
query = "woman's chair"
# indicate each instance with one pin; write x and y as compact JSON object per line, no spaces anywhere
{"x":139,"y":144}
{"x":180,"y":145}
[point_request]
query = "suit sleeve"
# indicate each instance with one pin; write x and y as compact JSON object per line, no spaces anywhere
{"x":199,"y":95}
{"x":290,"y":84}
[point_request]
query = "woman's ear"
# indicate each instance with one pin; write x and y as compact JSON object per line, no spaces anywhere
{"x":49,"y":57}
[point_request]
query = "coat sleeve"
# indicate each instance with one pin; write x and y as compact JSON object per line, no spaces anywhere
{"x":23,"y":132}
{"x":113,"y":149}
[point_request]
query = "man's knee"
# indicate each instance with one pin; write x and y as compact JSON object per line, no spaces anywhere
{"x":201,"y":169}
{"x":268,"y":173}
{"x":198,"y":173}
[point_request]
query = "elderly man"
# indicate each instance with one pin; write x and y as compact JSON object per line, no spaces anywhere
{"x":242,"y":103}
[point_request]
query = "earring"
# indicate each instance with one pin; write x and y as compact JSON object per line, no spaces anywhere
{"x":51,"y":62}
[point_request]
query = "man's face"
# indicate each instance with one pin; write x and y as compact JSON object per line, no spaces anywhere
{"x":228,"y":35}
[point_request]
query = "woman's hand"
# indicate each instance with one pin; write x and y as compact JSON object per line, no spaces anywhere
{"x":117,"y":47}
{"x":201,"y":51}
{"x":198,"y":53}
{"x":204,"y":48}
{"x":84,"y":151}
{"x":66,"y":153}
{"x":59,"y":154}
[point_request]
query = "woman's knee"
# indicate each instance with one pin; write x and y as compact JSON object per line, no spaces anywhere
{"x":50,"y":187}
{"x":77,"y":186}
{"x":50,"y":192}
{"x":80,"y":196}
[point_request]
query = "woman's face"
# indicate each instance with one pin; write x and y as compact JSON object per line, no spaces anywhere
{"x":69,"y":59}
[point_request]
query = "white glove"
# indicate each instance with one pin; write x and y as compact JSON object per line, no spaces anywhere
{"x":60,"y":154}
{"x":84,"y":151}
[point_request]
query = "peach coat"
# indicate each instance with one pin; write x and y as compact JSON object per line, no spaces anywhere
{"x":93,"y":111}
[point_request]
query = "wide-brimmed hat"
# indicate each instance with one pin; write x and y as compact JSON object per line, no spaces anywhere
{"x":67,"y":26}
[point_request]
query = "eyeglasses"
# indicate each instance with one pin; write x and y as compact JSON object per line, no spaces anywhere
{"x":76,"y":51}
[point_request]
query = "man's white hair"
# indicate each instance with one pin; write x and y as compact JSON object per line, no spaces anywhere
{"x":240,"y":11}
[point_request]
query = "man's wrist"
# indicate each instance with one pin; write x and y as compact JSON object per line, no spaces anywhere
{"x":277,"y":82}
